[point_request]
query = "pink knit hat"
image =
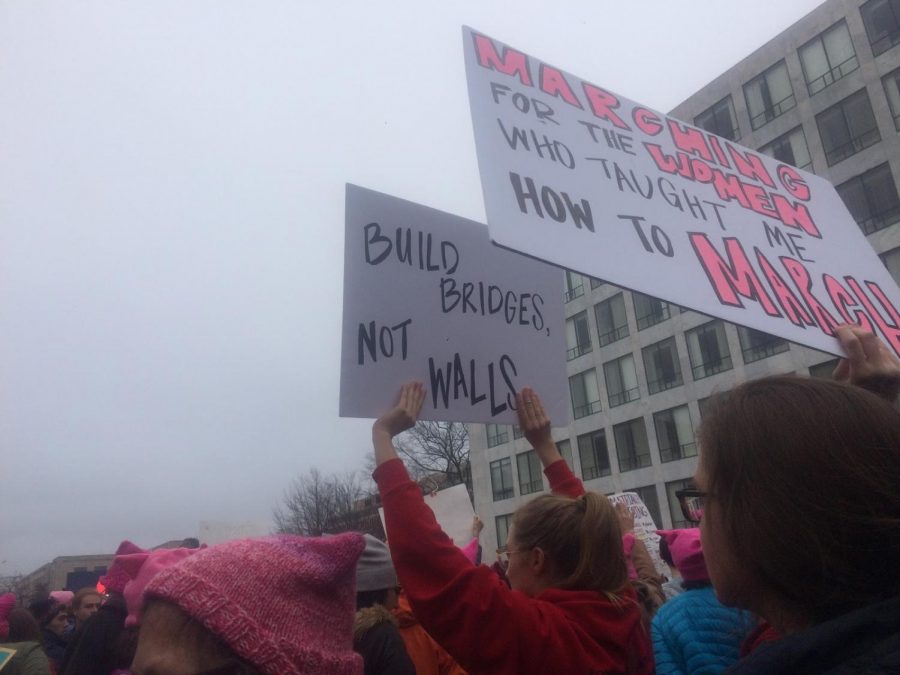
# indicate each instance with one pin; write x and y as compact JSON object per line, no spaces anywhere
{"x":283,"y":603}
{"x":7,"y":603}
{"x":141,"y":568}
{"x":116,"y":577}
{"x":62,"y":597}
{"x":687,"y":554}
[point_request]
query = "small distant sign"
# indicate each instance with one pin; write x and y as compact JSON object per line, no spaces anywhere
{"x":644,"y":527}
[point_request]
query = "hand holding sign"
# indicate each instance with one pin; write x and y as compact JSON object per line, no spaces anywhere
{"x":869,"y":363}
{"x":535,"y":424}
{"x":398,"y":419}
{"x":626,"y":518}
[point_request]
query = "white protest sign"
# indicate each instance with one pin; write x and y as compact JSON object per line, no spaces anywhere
{"x":644,"y":527}
{"x":428,"y":297}
{"x":453,"y":511}
{"x":589,"y":180}
{"x":214,"y":532}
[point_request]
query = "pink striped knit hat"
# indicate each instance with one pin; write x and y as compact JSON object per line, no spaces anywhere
{"x":285,"y":604}
{"x":116,"y":577}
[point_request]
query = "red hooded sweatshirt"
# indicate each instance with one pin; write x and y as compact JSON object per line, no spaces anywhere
{"x":489,"y":628}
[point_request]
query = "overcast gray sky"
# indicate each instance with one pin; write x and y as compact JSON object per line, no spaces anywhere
{"x":171,"y":227}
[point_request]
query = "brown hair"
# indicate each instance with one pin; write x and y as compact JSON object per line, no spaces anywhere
{"x":79,"y":597}
{"x":23,"y":627}
{"x":805,"y":474}
{"x":581,"y":540}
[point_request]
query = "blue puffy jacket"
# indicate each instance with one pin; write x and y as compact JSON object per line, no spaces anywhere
{"x":695,"y":633}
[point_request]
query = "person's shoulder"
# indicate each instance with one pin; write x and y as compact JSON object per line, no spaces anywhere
{"x":20,"y":646}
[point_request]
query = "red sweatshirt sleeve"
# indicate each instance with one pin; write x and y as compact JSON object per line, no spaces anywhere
{"x":563,"y":481}
{"x":468,"y":610}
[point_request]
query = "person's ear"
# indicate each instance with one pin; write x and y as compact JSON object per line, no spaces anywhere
{"x":538,"y":561}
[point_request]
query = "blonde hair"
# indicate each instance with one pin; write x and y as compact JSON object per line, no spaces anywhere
{"x":581,"y":539}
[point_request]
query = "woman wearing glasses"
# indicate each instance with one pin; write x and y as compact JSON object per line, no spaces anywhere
{"x":570,"y":609}
{"x":799,"y":508}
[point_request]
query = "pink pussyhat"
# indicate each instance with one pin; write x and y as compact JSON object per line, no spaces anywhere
{"x":7,"y":603}
{"x":62,"y":597}
{"x":285,"y":604}
{"x":687,"y":553}
{"x":116,"y":577}
{"x":141,"y":568}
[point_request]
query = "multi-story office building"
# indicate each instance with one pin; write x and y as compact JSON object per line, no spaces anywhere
{"x":824,"y":95}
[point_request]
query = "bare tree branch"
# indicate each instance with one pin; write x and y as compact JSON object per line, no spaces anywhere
{"x":315,"y":504}
{"x":438,"y":448}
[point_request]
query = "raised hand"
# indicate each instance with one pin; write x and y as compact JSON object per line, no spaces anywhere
{"x":869,"y":364}
{"x":626,"y":518}
{"x":397,"y":420}
{"x":477,"y":527}
{"x":402,"y":416}
{"x":535,"y":425}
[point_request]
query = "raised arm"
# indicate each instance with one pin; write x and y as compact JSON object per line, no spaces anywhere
{"x":535,"y":425}
{"x":456,"y":602}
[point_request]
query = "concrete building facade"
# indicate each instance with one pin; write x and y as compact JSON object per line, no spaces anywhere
{"x":824,"y":95}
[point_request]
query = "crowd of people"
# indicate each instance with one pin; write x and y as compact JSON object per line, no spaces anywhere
{"x":792,"y":568}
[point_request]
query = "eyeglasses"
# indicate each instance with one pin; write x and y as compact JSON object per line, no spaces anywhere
{"x":692,"y":503}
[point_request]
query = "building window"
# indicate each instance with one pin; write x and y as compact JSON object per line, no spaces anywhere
{"x":621,"y":381}
{"x":596,"y":283}
{"x":824,"y":370}
{"x":585,"y":394}
{"x":891,"y":260}
{"x":578,"y":336}
{"x":632,"y":447}
{"x":529,"y":467}
{"x":847,"y":127}
{"x":501,"y":479}
{"x":662,"y":366}
{"x":790,"y":148}
{"x":612,"y":324}
{"x":891,"y":83}
{"x":565,"y":449}
{"x":517,"y":431}
{"x":574,"y":286}
{"x":882,"y":20}
{"x":769,"y":95}
{"x":649,"y":311}
{"x":720,"y":120}
{"x":708,"y":350}
{"x":678,"y":521}
{"x":871,"y":198}
{"x":651,"y":501}
{"x":756,"y":345}
{"x":675,"y":434}
{"x":593,"y":454}
{"x":502,"y":524}
{"x":828,"y":57}
{"x":497,"y":434}
{"x":702,"y":405}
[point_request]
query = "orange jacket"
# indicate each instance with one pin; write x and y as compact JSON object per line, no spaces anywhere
{"x":428,"y":656}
